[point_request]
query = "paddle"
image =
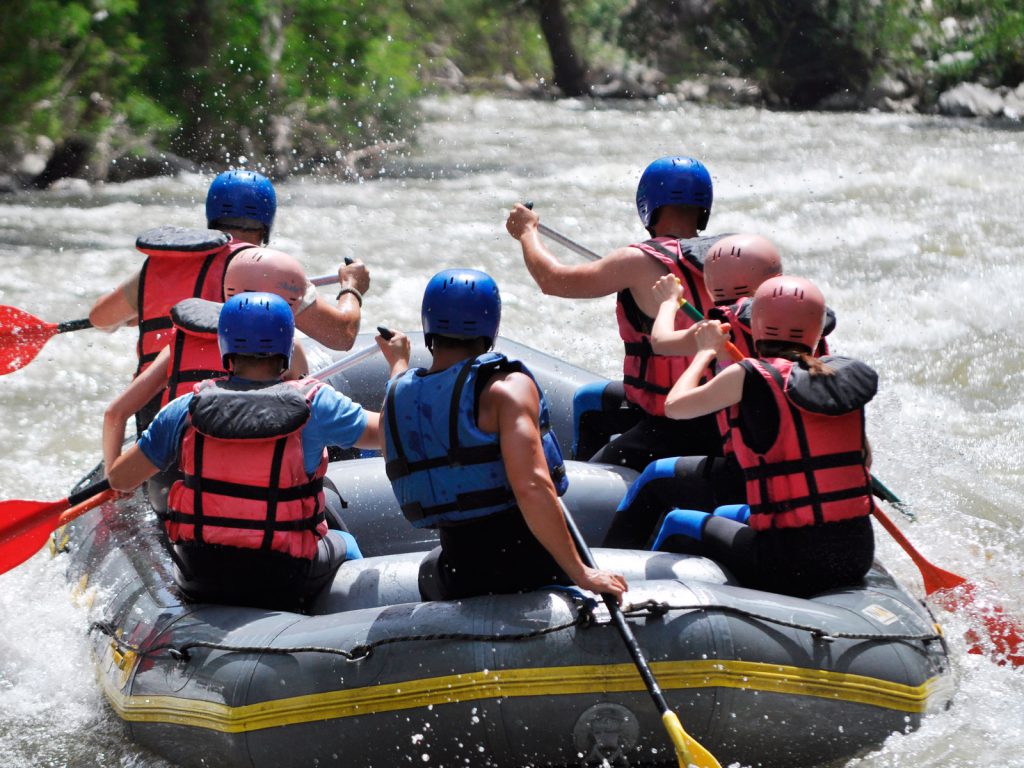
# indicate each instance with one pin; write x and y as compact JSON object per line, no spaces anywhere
{"x":329,"y":279}
{"x":688,"y":750}
{"x":958,"y":595}
{"x":26,"y":525}
{"x":22,"y":336}
{"x":353,"y":357}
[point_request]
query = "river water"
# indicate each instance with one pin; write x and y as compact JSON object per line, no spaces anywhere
{"x":911,"y":225}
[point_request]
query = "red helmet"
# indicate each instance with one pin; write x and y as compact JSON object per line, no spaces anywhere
{"x":736,"y":265}
{"x":788,"y":309}
{"x":266,"y":270}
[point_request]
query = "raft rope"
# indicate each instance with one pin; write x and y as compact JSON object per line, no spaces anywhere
{"x":584,"y":618}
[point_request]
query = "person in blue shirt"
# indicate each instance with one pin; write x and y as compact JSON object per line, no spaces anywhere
{"x":247,"y":520}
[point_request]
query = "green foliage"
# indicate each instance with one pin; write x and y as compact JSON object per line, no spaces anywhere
{"x":211,"y":79}
{"x":990,"y":31}
{"x":64,"y":65}
{"x":482,"y":38}
{"x":803,"y":51}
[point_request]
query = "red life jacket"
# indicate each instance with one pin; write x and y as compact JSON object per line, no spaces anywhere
{"x":814,"y":471}
{"x":182,"y":263}
{"x":737,"y":315}
{"x":195,"y":352}
{"x":648,"y":377}
{"x":244,"y":481}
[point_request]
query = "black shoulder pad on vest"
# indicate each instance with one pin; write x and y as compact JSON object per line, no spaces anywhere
{"x":850,"y":388}
{"x":695,"y":249}
{"x":830,"y":322}
{"x":196,"y":315}
{"x":181,"y":240}
{"x":744,"y":315}
{"x":252,"y":414}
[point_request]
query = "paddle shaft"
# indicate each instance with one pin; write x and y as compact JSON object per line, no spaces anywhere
{"x":568,"y":242}
{"x":330,"y":279}
{"x":688,"y":750}
{"x":352,"y":358}
{"x":74,"y":325}
{"x":617,"y":618}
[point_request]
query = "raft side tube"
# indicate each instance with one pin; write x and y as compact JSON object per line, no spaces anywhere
{"x":371,"y":513}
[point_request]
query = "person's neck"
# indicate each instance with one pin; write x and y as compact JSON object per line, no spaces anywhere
{"x":261,"y":371}
{"x":250,"y":236}
{"x":675,"y":222}
{"x":446,"y":357}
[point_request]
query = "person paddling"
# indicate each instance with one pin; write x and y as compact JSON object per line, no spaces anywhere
{"x":247,"y":522}
{"x":798,"y":436}
{"x":733,"y":270}
{"x":183,"y":263}
{"x":193,"y":354}
{"x":469,"y":452}
{"x":673,"y":200}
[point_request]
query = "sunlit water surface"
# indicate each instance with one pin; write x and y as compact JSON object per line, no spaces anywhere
{"x":913,"y":227}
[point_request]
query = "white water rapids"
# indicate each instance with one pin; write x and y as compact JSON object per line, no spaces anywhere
{"x":911,"y":225}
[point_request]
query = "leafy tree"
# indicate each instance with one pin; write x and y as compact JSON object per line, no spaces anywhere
{"x":991,"y":31}
{"x":67,"y":67}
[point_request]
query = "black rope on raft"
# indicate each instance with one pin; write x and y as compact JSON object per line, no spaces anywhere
{"x":180,"y":652}
{"x":584,"y":618}
{"x":655,"y":609}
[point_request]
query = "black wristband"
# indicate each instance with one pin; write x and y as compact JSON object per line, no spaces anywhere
{"x":354,"y":292}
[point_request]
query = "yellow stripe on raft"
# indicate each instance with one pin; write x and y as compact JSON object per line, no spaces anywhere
{"x":547,"y":681}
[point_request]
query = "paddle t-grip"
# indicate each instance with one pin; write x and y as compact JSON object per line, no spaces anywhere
{"x":387,"y":333}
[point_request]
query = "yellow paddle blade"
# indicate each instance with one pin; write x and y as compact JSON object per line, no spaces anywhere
{"x":688,"y":750}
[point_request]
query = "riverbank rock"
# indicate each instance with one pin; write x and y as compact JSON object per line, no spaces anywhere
{"x":148,"y":164}
{"x":970,"y":100}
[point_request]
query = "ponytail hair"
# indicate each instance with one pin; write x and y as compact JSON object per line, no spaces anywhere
{"x":798,"y":353}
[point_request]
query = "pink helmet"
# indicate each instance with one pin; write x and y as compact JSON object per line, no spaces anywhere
{"x":788,"y":309}
{"x":736,"y":265}
{"x":266,"y":270}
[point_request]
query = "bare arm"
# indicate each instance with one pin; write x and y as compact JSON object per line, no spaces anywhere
{"x":689,"y":399}
{"x":624,"y":268}
{"x":130,"y":470}
{"x":143,"y":388}
{"x":118,"y":307}
{"x":371,"y":437}
{"x":335,"y":326}
{"x":510,"y":405}
{"x":396,"y":351}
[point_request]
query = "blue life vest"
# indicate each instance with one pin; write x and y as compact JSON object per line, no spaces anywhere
{"x":443,"y":468}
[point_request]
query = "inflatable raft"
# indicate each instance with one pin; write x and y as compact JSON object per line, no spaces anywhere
{"x":375,"y":677}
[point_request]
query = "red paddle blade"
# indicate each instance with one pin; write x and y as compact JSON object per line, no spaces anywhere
{"x":25,"y":526}
{"x":24,"y":529}
{"x":992,"y":632}
{"x":21,"y":337}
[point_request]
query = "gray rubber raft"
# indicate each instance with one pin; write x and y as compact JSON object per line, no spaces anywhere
{"x":375,"y":677}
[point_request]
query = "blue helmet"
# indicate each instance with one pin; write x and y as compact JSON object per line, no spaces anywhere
{"x":257,"y":325}
{"x":463,"y":304}
{"x":674,"y":181}
{"x":240,"y":198}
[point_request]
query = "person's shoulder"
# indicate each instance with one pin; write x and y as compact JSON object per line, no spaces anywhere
{"x":324,"y":395}
{"x":510,"y":387}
